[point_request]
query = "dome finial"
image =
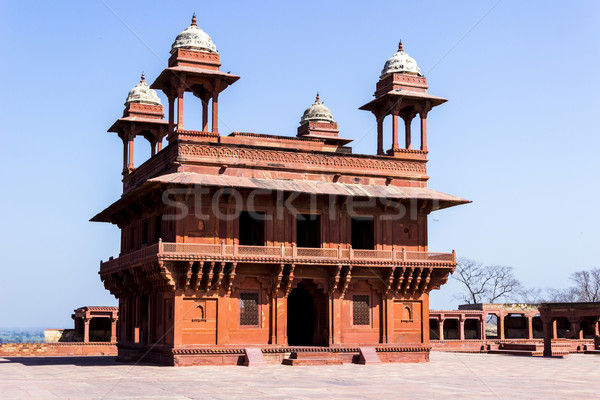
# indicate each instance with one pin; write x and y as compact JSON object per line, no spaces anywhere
{"x":400,"y":47}
{"x":318,"y":98}
{"x":143,"y":78}
{"x":194,"y":20}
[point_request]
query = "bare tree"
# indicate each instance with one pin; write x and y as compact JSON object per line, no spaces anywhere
{"x":586,"y":287}
{"x":485,"y":282}
{"x":531,"y":295}
{"x":587,"y":284}
{"x":471,"y":274}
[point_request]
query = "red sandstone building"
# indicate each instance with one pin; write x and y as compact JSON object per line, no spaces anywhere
{"x":288,"y":244}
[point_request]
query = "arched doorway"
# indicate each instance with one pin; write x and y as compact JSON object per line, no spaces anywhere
{"x":307,"y":316}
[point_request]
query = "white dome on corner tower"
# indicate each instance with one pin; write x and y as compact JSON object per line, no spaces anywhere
{"x":317,"y":112}
{"x":142,"y":93}
{"x":194,"y":38}
{"x":400,"y":63}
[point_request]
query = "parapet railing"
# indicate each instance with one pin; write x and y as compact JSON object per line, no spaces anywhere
{"x":285,"y":253}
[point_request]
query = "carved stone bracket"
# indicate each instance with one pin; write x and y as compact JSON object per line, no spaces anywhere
{"x":290,"y":280}
{"x":347,"y":279}
{"x":230,"y":278}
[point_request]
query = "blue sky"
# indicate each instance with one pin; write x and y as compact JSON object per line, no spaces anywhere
{"x":518,"y":136}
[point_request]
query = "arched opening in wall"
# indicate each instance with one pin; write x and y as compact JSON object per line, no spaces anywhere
{"x":472,"y":329}
{"x":434,"y":329}
{"x":515,"y":326}
{"x":451,"y":329}
{"x":415,"y":133}
{"x":587,"y":326}
{"x":100,"y":329}
{"x":307,"y":316}
{"x":562,"y":327}
{"x":538,"y":327}
{"x":491,"y":326}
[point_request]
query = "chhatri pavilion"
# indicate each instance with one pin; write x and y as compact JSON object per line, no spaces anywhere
{"x":294,"y":247}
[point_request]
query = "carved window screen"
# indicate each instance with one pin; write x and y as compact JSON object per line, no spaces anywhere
{"x":361,"y":310}
{"x":249,"y":309}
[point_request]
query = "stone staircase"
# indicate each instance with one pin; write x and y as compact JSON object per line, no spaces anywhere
{"x":312,"y":358}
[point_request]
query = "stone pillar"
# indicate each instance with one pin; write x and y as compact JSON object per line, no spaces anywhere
{"x":596,"y":330}
{"x":130,"y":163}
{"x":407,"y":133}
{"x":152,"y":148}
{"x":461,"y":328}
{"x":205,"y":115}
{"x":86,"y":330}
{"x":215,"y":113}
{"x":180,"y":93}
{"x":554,"y":330}
{"x":482,"y":335}
{"x":171,"y":114}
{"x":423,"y":131}
{"x":501,"y":326}
{"x":576,"y":332}
{"x":441,"y":328}
{"x":380,"y":136}
{"x":548,"y":334}
{"x":113,"y":330}
{"x":395,"y":131}
{"x":529,"y":327}
{"x":125,"y":153}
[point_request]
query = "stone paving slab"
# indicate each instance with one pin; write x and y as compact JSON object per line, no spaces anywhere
{"x":448,"y":375}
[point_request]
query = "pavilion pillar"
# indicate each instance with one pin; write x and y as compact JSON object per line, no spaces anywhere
{"x":529,"y":327}
{"x":205,"y":114}
{"x":113,"y":330}
{"x":554,"y":330}
{"x":501,"y":326}
{"x":281,"y":310}
{"x":86,"y":330}
{"x":171,"y":114}
{"x":461,"y":328}
{"x":153,"y":148}
{"x":380,"y":136}
{"x":125,"y":153}
{"x":577,"y":332}
{"x":130,"y":146}
{"x":596,"y":330}
{"x":215,"y":113}
{"x":395,"y":132}
{"x":180,"y":93}
{"x":423,"y":116}
{"x":482,"y":335}
{"x":441,"y":328}
{"x":407,"y":132}
{"x":548,"y":334}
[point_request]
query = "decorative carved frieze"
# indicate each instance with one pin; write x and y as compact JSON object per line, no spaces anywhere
{"x":289,"y":158}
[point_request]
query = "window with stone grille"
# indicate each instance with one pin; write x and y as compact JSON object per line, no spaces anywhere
{"x":360,"y":309}
{"x":249,"y":309}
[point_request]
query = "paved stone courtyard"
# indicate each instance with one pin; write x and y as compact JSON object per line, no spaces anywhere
{"x":448,"y":375}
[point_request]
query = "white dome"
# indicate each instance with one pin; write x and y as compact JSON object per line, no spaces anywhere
{"x":194,"y":38}
{"x":142,"y":93}
{"x":400,"y":63}
{"x":317,"y":112}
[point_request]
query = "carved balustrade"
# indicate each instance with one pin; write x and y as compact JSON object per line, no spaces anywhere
{"x":279,"y":254}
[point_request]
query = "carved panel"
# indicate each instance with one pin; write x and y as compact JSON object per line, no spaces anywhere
{"x":287,"y":158}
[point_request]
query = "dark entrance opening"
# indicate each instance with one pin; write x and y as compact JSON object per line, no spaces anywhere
{"x":363,"y":233}
{"x":306,"y":316}
{"x":252,"y":229}
{"x":308,"y":230}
